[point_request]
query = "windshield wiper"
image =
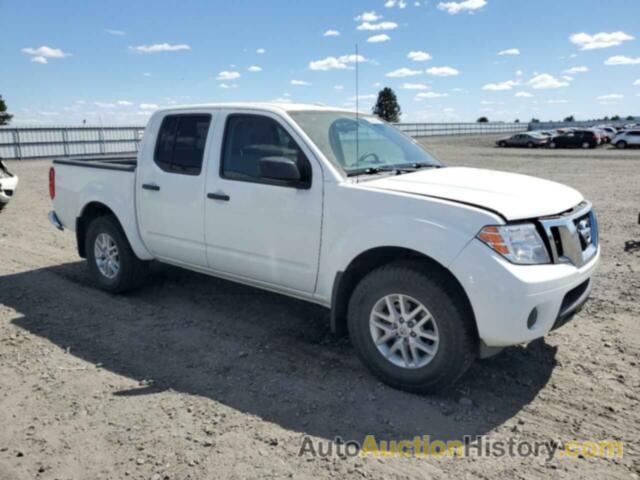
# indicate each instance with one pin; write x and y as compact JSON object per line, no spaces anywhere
{"x":397,"y":169}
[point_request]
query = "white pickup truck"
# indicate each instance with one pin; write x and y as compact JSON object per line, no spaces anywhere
{"x":427,"y":267}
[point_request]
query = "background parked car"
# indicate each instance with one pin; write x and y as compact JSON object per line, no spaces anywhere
{"x":529,"y":140}
{"x":8,"y":184}
{"x":629,"y":138}
{"x":575,"y":139}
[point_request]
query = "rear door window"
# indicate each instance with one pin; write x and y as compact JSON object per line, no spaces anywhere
{"x":181,"y":142}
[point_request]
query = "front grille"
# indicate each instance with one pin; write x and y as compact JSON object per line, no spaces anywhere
{"x":572,"y":237}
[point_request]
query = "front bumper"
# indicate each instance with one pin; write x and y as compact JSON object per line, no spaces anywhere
{"x":504,"y":295}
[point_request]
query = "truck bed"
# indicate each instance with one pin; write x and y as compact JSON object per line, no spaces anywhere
{"x":127,"y":164}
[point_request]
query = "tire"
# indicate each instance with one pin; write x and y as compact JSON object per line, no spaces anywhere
{"x":530,"y":145}
{"x":586,"y":145}
{"x":457,"y":344}
{"x":553,"y":145}
{"x":131,"y":272}
{"x":621,"y":145}
{"x":502,"y":144}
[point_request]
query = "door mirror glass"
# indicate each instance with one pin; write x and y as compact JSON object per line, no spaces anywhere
{"x":279,"y":168}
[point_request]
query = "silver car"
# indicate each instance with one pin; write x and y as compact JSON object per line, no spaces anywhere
{"x":627,"y":138}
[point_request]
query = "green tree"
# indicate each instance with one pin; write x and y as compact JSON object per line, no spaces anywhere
{"x":535,"y":120}
{"x":517,"y":120}
{"x":570,"y":118}
{"x":630,"y":118}
{"x":387,"y":107}
{"x":615,"y":118}
{"x":483,"y":120}
{"x":5,"y":117}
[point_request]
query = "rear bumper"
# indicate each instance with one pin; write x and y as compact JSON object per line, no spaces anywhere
{"x":8,"y":188}
{"x":518,"y":303}
{"x":55,"y":221}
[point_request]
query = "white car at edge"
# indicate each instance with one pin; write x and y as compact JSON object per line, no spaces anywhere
{"x":427,"y":267}
{"x":8,"y":185}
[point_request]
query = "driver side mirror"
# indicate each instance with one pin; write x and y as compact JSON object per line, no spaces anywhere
{"x":279,"y":168}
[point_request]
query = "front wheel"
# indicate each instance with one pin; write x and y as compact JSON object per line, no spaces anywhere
{"x":112,"y":264}
{"x":411,"y":328}
{"x":553,"y":145}
{"x":530,"y":145}
{"x":621,"y":145}
{"x":586,"y":145}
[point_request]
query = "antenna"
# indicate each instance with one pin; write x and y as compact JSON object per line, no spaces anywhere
{"x":357,"y":111}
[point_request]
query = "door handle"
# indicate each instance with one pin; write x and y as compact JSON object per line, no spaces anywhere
{"x":219,"y":196}
{"x":151,"y":186}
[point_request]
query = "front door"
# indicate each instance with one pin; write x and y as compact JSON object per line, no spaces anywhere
{"x":171,"y":189}
{"x":259,"y":229}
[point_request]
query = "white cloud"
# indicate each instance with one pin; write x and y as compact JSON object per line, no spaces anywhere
{"x":331,"y":33}
{"x":574,"y":70}
{"x":124,"y":103}
{"x":496,"y":87}
{"x":226,"y":75}
{"x":622,"y":60}
{"x":398,"y":3}
{"x":148,"y":106}
{"x":545,"y":81}
{"x":509,"y":51}
{"x":159,"y":47}
{"x":254,"y":68}
{"x":556,"y":102}
{"x":442,"y":71}
{"x":611,"y":96}
{"x":454,"y":8}
{"x":300,"y":83}
{"x":338,"y":87}
{"x":419,"y":56}
{"x":118,"y":33}
{"x":414,"y":86}
{"x":403,"y":72}
{"x":599,"y":40}
{"x":637,"y":83}
{"x":43,"y":53}
{"x":423,"y":95}
{"x":146,"y":74}
{"x":524,"y":95}
{"x":228,"y":85}
{"x":104,"y":104}
{"x":261,"y":51}
{"x":371,"y":16}
{"x":377,"y":26}
{"x":383,"y":37}
{"x":519,"y":73}
{"x":336,"y":63}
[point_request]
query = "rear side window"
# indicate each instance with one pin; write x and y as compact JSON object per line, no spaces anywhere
{"x":181,"y":142}
{"x":249,"y":138}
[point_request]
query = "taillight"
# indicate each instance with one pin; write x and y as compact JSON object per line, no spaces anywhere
{"x":52,"y":183}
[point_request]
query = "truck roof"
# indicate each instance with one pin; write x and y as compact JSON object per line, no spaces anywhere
{"x":276,"y":107}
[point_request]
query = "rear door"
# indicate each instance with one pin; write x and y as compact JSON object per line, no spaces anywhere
{"x":170,"y":187}
{"x":262,"y":230}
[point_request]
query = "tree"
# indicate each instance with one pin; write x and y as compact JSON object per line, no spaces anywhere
{"x":615,"y":118}
{"x":570,"y":118}
{"x":483,"y":120}
{"x":387,"y":107}
{"x":517,"y":120}
{"x":535,"y":120}
{"x":5,"y":117}
{"x":630,"y":118}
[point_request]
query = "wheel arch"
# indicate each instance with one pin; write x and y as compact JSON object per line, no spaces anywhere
{"x":345,"y":281}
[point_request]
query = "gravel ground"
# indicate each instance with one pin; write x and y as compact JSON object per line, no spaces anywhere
{"x":195,"y":377}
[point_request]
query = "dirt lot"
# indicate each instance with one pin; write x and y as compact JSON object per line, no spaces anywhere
{"x":194,"y":377}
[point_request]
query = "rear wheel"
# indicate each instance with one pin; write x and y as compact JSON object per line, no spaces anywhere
{"x":530,"y":145}
{"x":410,"y":328}
{"x":586,"y":145}
{"x":621,"y":145}
{"x":112,"y":264}
{"x":553,"y":145}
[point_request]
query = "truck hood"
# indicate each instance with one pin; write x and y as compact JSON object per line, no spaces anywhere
{"x":513,"y":196}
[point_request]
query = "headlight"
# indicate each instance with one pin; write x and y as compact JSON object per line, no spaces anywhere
{"x":519,"y":243}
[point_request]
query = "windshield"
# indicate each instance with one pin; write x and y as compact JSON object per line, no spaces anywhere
{"x":363,"y":143}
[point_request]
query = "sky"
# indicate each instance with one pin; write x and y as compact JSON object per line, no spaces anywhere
{"x":114,"y":62}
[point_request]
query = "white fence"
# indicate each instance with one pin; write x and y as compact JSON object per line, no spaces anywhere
{"x":18,"y":142}
{"x":68,"y":141}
